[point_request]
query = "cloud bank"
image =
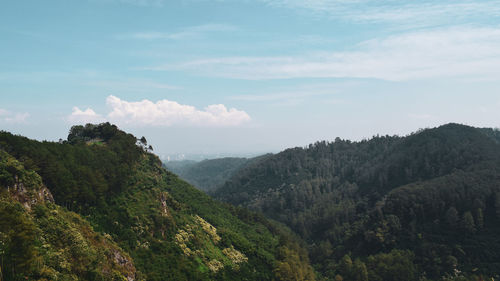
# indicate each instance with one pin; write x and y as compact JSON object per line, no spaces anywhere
{"x":410,"y":13}
{"x":471,"y":52}
{"x":13,"y":117}
{"x":163,"y":113}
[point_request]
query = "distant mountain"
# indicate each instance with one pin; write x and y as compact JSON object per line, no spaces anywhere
{"x":209,"y":174}
{"x":425,"y":206}
{"x":99,"y":206}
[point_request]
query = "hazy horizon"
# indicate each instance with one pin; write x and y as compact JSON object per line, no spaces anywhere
{"x":236,"y":78}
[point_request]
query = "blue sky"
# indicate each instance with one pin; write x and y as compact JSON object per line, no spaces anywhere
{"x":240,"y":76}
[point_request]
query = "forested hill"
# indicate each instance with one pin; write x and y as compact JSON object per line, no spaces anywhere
{"x":393,"y":208}
{"x":209,"y":174}
{"x":99,"y":206}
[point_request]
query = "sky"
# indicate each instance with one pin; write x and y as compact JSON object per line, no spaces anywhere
{"x":241,"y":77}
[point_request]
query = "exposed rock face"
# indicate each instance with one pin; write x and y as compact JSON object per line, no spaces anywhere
{"x":126,"y":264}
{"x":30,"y":196}
{"x":163,"y":200}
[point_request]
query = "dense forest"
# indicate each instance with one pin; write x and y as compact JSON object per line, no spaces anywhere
{"x":421,"y":207}
{"x":100,"y":206}
{"x":209,"y":174}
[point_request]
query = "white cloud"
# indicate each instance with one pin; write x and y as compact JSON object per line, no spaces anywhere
{"x":170,"y":113}
{"x":405,"y":13}
{"x":452,"y":52}
{"x":18,"y":118}
{"x":79,"y":116}
{"x":13,"y":117}
{"x":162,"y":113}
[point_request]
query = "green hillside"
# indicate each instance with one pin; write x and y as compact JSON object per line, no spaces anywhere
{"x":113,"y":196}
{"x":393,"y":208}
{"x":41,"y":241}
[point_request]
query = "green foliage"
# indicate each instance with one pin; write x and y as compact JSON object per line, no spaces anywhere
{"x":394,"y":266}
{"x":51,"y":243}
{"x":132,"y":203}
{"x":12,"y":171}
{"x":292,"y":265}
{"x":434,"y":193}
{"x":18,"y":251}
{"x":79,"y":175}
{"x":89,"y":132}
{"x":468,"y":222}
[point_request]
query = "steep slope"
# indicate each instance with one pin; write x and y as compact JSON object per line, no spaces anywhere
{"x":431,"y":194}
{"x":170,"y":230}
{"x":210,"y":174}
{"x":42,"y":241}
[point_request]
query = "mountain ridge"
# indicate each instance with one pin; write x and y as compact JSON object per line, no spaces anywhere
{"x":165,"y":227}
{"x":334,"y":195}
